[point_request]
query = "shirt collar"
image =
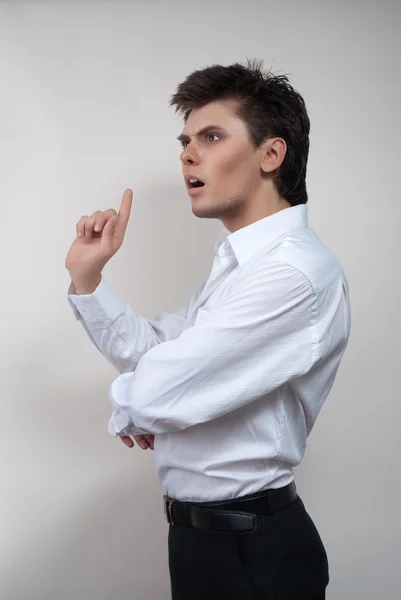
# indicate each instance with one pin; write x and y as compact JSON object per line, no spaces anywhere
{"x":245,"y":242}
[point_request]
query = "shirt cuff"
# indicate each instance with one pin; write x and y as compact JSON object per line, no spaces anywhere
{"x":102,"y":305}
{"x":120,"y":424}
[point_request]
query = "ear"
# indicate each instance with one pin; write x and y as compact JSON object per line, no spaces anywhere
{"x":273,"y":152}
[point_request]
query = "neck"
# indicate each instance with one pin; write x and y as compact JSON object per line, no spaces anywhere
{"x":257,"y":207}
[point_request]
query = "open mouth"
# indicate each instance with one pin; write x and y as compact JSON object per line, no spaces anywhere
{"x":194,"y":183}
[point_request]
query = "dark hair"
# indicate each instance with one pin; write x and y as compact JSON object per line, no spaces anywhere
{"x":268,"y":105}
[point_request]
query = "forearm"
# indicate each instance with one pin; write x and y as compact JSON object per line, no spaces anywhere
{"x":121,"y":335}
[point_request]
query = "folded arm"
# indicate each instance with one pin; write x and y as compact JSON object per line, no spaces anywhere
{"x":257,"y":340}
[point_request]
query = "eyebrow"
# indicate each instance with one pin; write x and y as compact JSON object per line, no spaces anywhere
{"x":185,"y":138}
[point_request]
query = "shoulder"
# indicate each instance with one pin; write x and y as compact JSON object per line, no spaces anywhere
{"x":303,"y":251}
{"x":297,"y":263}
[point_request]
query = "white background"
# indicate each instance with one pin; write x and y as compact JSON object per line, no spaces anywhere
{"x":83,"y":115}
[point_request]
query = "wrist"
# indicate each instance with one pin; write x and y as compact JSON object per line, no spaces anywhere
{"x":86,"y":285}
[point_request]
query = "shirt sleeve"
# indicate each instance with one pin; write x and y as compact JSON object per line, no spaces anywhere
{"x":257,"y":340}
{"x":121,"y":335}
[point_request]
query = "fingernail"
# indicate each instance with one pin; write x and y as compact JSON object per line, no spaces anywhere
{"x":97,"y":227}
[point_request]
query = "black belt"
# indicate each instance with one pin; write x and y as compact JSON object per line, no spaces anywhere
{"x":241,"y":514}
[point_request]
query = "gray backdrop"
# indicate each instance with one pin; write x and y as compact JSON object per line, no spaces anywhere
{"x":83,"y":115}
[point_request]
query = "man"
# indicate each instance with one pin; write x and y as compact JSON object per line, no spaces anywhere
{"x":228,"y":388}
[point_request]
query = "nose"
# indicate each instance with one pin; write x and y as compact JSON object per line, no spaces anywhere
{"x":189,"y":155}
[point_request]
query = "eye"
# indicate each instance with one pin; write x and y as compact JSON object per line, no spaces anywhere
{"x":209,"y":135}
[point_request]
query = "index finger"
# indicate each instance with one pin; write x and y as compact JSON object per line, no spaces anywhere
{"x":124,"y":213}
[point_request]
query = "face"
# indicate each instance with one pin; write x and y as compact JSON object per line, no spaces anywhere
{"x":217,"y":151}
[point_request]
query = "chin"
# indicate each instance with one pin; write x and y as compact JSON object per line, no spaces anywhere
{"x":212,"y":209}
{"x":207,"y":212}
{"x":203,"y":212}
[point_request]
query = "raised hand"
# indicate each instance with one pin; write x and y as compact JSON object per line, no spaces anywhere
{"x":99,"y":237}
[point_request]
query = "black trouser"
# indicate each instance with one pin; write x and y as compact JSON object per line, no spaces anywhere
{"x":285,"y":560}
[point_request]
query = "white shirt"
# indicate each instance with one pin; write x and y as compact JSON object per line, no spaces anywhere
{"x":230,"y":384}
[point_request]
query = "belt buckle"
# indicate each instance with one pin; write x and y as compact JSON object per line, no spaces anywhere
{"x":252,"y":522}
{"x":167,"y":510}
